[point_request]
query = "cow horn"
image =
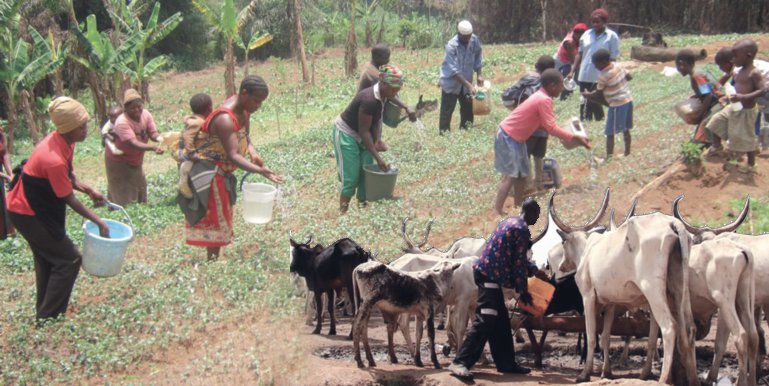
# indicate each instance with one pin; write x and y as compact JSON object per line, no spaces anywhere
{"x":427,"y":234}
{"x":309,"y":240}
{"x":592,"y":223}
{"x":406,"y":239}
{"x":677,"y":214}
{"x":612,"y":224}
{"x":541,"y":234}
{"x":737,"y":222}
{"x":631,"y":211}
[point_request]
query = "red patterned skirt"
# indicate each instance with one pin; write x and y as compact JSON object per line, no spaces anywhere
{"x":215,"y":229}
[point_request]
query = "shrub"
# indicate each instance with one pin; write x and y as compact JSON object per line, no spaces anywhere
{"x":691,"y":152}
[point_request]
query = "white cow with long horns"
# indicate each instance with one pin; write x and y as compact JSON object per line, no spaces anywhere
{"x":642,"y":262}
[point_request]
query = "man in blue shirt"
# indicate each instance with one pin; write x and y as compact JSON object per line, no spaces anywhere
{"x":596,"y":38}
{"x":463,"y":57}
{"x":504,"y":263}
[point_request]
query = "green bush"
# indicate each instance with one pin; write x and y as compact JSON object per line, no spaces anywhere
{"x":691,"y":152}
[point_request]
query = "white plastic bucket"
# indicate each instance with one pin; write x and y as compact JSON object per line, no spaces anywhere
{"x":103,"y":257}
{"x":258,"y":201}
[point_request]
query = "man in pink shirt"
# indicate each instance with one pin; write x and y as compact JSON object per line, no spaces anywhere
{"x":134,"y":128}
{"x":510,"y":155}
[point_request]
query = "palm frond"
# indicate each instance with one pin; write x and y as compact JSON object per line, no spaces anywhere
{"x":229,"y":22}
{"x":246,"y":14}
{"x":162,"y":29}
{"x":258,"y":40}
{"x":212,"y":18}
{"x":154,"y":65}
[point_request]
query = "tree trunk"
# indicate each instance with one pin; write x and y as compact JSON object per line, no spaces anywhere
{"x":229,"y":69}
{"x":543,"y":3}
{"x":145,"y":91}
{"x":29,"y":114}
{"x":292,"y":38}
{"x":300,"y":41}
{"x":369,"y":37}
{"x":99,"y":98}
{"x":380,"y":33}
{"x":351,"y":48}
{"x":245,"y":65}
{"x":12,"y":122}
{"x":659,"y":54}
{"x":58,"y":83}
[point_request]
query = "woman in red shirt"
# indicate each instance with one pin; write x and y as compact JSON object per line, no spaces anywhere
{"x":38,"y":200}
{"x":567,"y":52}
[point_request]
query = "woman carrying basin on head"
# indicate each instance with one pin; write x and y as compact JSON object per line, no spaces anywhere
{"x":354,"y":131}
{"x":38,"y":200}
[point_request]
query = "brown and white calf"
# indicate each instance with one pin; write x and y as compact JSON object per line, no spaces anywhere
{"x":395,"y":292}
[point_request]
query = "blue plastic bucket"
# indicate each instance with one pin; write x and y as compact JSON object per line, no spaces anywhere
{"x":103,"y":257}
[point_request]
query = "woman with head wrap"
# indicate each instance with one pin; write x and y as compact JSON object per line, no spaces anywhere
{"x":5,"y":163}
{"x":354,"y":131}
{"x":596,"y":38}
{"x":134,"y":128}
{"x":224,"y":149}
{"x":567,"y":52}
{"x":40,"y":193}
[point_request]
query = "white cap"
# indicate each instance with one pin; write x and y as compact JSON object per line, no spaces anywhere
{"x":465,"y":28}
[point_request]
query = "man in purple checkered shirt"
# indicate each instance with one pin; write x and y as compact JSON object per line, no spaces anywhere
{"x":504,"y":263}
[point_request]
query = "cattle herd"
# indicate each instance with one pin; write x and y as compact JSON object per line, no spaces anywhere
{"x":682,"y":275}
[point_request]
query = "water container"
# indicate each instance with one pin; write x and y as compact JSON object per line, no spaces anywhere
{"x":103,"y":257}
{"x":541,"y":295}
{"x":258,"y":201}
{"x":378,"y":184}
{"x":482,"y":100}
{"x":391,"y":114}
{"x":689,"y":109}
{"x":578,"y":129}
{"x":551,"y":173}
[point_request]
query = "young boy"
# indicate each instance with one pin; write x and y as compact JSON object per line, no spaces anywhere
{"x":201,"y":106}
{"x":736,"y":122}
{"x":108,"y":130}
{"x":612,"y":82}
{"x":511,"y":157}
{"x":702,"y":84}
{"x":522,"y":90}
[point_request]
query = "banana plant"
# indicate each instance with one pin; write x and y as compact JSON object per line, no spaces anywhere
{"x":22,"y":67}
{"x":257,"y":40}
{"x":139,"y":70}
{"x":229,"y":24}
{"x":104,"y":62}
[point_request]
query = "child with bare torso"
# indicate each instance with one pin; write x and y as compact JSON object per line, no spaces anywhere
{"x":734,"y":123}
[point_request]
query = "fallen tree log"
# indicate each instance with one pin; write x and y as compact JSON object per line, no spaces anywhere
{"x":659,"y":54}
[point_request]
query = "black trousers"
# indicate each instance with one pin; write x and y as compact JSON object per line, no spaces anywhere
{"x":589,"y":111}
{"x":492,"y":324}
{"x":57,"y":263}
{"x":449,"y":103}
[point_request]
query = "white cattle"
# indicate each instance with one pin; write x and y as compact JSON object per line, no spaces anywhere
{"x":641,"y":262}
{"x":722,"y":279}
{"x":462,"y":247}
{"x":395,"y":292}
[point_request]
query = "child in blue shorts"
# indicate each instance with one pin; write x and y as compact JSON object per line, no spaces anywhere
{"x":613,"y":83}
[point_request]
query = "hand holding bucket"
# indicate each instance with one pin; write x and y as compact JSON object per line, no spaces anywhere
{"x":104,"y":256}
{"x":258,"y":201}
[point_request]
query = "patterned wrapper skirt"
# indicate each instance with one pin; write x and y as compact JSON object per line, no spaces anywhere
{"x":215,"y":229}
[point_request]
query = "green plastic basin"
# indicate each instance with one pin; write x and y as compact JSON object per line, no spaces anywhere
{"x":379,"y":185}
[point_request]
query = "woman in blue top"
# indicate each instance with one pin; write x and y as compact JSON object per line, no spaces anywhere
{"x":596,"y":38}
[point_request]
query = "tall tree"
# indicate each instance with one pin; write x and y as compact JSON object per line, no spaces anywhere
{"x":229,"y":25}
{"x":351,"y":48}
{"x":300,"y":41}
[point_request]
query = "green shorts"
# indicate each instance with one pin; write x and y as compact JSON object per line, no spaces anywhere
{"x":350,"y":158}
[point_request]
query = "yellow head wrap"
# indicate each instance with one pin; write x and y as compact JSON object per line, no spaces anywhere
{"x":67,"y":114}
{"x":130,"y":96}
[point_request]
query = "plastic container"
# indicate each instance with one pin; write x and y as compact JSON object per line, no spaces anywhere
{"x":391,"y":114}
{"x":578,"y":129}
{"x":482,"y":100}
{"x":541,"y":295}
{"x":378,"y":184}
{"x":551,"y":173}
{"x":689,"y":109}
{"x":258,"y":202}
{"x":103,"y":257}
{"x":569,"y":84}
